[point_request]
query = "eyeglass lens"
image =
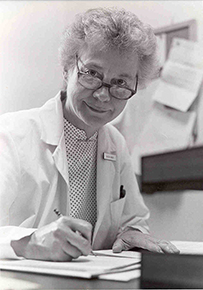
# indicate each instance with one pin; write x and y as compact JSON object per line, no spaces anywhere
{"x":90,"y":82}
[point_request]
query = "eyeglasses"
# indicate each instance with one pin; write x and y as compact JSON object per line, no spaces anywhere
{"x":92,"y":80}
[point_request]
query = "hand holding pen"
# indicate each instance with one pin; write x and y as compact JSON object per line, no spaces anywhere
{"x":59,"y":214}
{"x":57,"y":241}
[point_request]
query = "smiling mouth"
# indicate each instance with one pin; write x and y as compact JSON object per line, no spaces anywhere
{"x":97,"y":110}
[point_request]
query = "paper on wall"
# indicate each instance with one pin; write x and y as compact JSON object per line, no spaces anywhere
{"x":186,"y":52}
{"x":181,"y":76}
{"x":173,"y":96}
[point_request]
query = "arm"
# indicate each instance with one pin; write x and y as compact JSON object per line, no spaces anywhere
{"x":134,"y":231}
{"x":9,"y":182}
{"x":58,"y":240}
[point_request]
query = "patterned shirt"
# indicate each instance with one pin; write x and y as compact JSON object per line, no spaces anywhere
{"x":81,"y":156}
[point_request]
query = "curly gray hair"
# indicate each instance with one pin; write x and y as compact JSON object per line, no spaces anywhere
{"x":112,"y":28}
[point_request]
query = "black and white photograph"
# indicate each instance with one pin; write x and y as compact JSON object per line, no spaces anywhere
{"x":101,"y":145}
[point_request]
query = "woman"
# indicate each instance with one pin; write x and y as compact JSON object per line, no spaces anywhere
{"x":66,"y":156}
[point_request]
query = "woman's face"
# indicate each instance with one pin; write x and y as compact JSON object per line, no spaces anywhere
{"x":90,"y":109}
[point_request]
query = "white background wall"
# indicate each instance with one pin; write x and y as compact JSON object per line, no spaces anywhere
{"x":30,"y":32}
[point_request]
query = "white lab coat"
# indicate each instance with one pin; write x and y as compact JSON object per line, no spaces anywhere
{"x":34,"y":178}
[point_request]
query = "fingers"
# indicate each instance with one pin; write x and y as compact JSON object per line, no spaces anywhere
{"x":155,"y":245}
{"x":168,"y":247}
{"x":159,"y":246}
{"x":152,"y":247}
{"x":132,"y":238}
{"x":71,"y":251}
{"x":75,"y":235}
{"x":77,"y":241}
{"x":83,"y":227}
{"x":118,"y":246}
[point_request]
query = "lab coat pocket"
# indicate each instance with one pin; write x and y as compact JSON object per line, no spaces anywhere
{"x":116,"y":211}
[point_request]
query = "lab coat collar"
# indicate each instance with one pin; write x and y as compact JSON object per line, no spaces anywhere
{"x":51,"y":115}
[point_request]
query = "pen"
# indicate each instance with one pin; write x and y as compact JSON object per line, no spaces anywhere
{"x":59,"y":214}
{"x":122,"y":192}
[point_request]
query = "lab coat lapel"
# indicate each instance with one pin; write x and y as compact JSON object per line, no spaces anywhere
{"x":105,"y":177}
{"x":60,"y":158}
{"x":51,"y":115}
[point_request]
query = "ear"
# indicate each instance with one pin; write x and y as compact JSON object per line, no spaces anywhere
{"x":65,"y":75}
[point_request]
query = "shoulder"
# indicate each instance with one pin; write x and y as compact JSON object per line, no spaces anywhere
{"x":19,"y":122}
{"x":24,"y":121}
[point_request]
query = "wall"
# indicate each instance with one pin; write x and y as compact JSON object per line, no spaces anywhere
{"x":177,"y":215}
{"x":30,"y":74}
{"x":30,"y":34}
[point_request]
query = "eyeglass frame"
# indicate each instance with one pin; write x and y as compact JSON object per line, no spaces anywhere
{"x":79,"y":72}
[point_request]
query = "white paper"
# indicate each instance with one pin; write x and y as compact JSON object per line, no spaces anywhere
{"x":186,"y":52}
{"x":124,"y":254}
{"x":132,"y":272}
{"x":83,"y":267}
{"x":181,"y":76}
{"x":174,"y":96}
{"x":189,"y":247}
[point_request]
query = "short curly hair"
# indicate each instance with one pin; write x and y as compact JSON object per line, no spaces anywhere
{"x":112,"y":28}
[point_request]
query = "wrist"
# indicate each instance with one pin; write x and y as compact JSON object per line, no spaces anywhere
{"x":20,"y":246}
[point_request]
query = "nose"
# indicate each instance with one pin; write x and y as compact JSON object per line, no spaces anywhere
{"x":102,"y":94}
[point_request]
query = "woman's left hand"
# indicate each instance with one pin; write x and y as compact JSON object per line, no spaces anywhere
{"x":134,"y":238}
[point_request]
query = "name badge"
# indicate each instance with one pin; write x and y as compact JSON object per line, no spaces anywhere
{"x":108,"y":156}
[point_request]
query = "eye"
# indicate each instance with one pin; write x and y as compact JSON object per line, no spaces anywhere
{"x":93,"y":73}
{"x":119,"y":82}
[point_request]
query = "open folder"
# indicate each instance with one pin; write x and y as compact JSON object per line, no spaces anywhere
{"x":105,"y":262}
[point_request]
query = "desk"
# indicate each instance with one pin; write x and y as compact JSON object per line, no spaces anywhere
{"x":58,"y":282}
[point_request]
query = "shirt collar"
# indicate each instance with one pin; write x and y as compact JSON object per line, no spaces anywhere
{"x":78,"y":134}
